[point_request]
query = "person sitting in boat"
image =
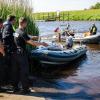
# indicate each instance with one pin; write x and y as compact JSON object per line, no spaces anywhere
{"x":93,"y":30}
{"x":58,"y":33}
{"x":66,"y":30}
{"x":68,"y":27}
{"x":69,"y":41}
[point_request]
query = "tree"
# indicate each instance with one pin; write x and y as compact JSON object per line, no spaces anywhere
{"x":96,"y":6}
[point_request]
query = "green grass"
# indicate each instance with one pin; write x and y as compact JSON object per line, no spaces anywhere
{"x":84,"y":15}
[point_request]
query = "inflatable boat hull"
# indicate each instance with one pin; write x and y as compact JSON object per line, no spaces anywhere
{"x":58,"y":57}
{"x":95,"y":39}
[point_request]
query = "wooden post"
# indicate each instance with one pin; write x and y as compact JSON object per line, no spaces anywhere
{"x":43,"y":17}
{"x":63,"y":16}
{"x":38,"y":16}
{"x":68,"y":16}
{"x":59,"y":16}
{"x":53,"y":16}
{"x":48,"y":16}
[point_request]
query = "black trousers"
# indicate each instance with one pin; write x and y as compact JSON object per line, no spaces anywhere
{"x":3,"y":67}
{"x":94,"y":33}
{"x":20,"y":70}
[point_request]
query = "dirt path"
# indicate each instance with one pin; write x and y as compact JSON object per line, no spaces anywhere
{"x":18,"y":97}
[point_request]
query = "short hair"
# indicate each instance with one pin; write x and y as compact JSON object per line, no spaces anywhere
{"x":1,"y":20}
{"x":11,"y":17}
{"x":22,"y":20}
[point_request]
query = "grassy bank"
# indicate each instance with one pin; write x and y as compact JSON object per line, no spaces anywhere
{"x":90,"y":15}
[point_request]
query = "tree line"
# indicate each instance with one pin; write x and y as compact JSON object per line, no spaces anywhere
{"x":96,"y":6}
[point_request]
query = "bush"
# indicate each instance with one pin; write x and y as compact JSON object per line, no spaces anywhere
{"x":7,"y":8}
{"x":96,"y":6}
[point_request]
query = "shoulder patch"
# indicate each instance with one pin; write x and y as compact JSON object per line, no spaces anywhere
{"x":16,"y":34}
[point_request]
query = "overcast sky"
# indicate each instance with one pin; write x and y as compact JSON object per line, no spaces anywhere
{"x":55,"y":5}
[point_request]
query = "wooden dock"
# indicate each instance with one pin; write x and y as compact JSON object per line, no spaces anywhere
{"x":51,"y":16}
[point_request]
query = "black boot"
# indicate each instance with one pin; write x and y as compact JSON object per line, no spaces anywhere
{"x":16,"y":89}
{"x":2,"y":90}
{"x":25,"y":91}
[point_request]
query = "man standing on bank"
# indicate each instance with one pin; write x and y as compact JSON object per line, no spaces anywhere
{"x":2,"y":59}
{"x":21,"y":72}
{"x":9,"y":44}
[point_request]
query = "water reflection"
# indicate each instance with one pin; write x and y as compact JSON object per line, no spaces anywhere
{"x":77,"y":81}
{"x":56,"y":72}
{"x":94,"y":47}
{"x":80,"y":67}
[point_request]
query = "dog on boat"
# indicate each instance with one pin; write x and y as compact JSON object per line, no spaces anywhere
{"x":87,"y":34}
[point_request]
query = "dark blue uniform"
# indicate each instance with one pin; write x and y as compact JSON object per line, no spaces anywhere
{"x":2,"y":63}
{"x":10,"y":48}
{"x":8,"y":38}
{"x":0,"y":35}
{"x":21,"y":71}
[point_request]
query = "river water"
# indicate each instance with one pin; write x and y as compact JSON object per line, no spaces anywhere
{"x":79,"y":80}
{"x":78,"y":26}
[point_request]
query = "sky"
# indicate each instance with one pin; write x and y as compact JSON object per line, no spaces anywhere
{"x":61,"y":5}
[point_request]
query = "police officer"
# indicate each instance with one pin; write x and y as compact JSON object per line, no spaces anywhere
{"x":9,"y":44}
{"x":21,"y":72}
{"x":1,"y":26}
{"x":93,"y":29}
{"x":2,"y":63}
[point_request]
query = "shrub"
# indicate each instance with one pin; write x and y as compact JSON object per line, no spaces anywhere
{"x":7,"y":7}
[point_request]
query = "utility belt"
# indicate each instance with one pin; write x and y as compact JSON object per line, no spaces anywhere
{"x":9,"y":50}
{"x":20,"y":50}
